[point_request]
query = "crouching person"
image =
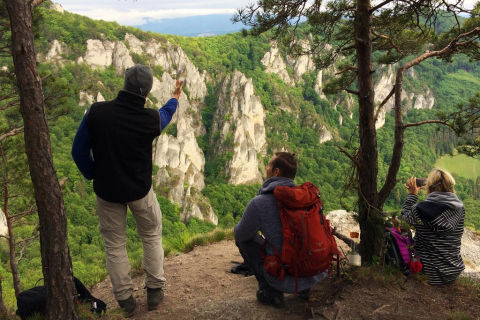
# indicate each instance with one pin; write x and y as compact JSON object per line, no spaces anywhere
{"x":439,"y":223}
{"x":262,"y":216}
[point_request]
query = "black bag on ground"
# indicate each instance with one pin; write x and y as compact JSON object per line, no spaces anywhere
{"x":33,"y":301}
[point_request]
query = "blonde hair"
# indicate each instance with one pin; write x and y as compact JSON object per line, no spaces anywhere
{"x":440,"y":180}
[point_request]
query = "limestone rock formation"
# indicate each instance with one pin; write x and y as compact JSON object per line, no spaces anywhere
{"x":174,"y":61}
{"x":56,"y":52}
{"x":180,"y":160}
{"x":240,"y":116}
{"x":99,"y":53}
{"x":3,"y":224}
{"x":471,"y":253}
{"x":411,"y":100}
{"x":85,"y":99}
{"x":325,"y":135}
{"x":121,"y":58}
{"x":57,"y":7}
{"x":302,"y":64}
{"x":274,"y":63}
{"x":318,"y":84}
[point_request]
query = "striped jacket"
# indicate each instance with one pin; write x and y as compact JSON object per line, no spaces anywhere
{"x":438,"y":233}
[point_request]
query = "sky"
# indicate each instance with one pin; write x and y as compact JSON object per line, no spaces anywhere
{"x":137,"y":12}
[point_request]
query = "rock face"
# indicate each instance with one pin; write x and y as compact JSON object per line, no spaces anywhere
{"x":303,"y":63}
{"x":85,"y":99}
{"x":318,"y":85}
{"x":325,"y":135}
{"x":274,"y":63}
{"x":173,"y":60}
{"x":3,"y":224}
{"x":471,"y":253}
{"x":55,"y":54}
{"x":57,"y":7}
{"x":240,"y":118}
{"x":99,"y":53}
{"x":410,"y":100}
{"x":180,"y":160}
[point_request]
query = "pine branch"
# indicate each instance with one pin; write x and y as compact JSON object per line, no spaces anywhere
{"x":11,"y":133}
{"x":416,"y":124}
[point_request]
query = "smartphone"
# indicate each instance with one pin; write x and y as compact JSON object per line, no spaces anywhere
{"x":421,"y":181}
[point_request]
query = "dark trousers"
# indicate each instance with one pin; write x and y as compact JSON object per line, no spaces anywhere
{"x":251,"y":253}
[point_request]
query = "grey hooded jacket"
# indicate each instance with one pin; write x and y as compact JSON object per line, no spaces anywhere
{"x":261,"y":214}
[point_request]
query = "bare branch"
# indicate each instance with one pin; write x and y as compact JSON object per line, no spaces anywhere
{"x":11,"y":133}
{"x":346,"y":69}
{"x":351,"y":157}
{"x":10,"y":104}
{"x":378,"y":6}
{"x":384,"y":102}
{"x":25,"y":243}
{"x":449,"y":48}
{"x":351,"y":91}
{"x":14,"y":218}
{"x":426,"y":122}
{"x":382,"y":36}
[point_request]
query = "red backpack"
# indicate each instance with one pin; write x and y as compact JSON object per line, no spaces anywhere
{"x":308,"y":243}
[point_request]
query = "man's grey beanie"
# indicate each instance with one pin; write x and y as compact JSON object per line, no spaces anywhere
{"x":138,"y":80}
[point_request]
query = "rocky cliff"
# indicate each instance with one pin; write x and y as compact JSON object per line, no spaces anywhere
{"x":3,"y":224}
{"x":240,"y":121}
{"x":238,"y":128}
{"x":422,"y":98}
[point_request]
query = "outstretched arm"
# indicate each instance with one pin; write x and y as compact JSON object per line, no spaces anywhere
{"x":168,"y":110}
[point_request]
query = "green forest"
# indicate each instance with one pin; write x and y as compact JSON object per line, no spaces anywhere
{"x":452,"y":83}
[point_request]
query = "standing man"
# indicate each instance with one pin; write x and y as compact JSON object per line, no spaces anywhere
{"x":262,"y":214}
{"x":120,"y":134}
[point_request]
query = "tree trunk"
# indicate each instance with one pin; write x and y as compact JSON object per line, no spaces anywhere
{"x":369,"y":214}
{"x":56,"y":261}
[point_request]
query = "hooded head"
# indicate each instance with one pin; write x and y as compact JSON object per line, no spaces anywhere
{"x":138,"y":80}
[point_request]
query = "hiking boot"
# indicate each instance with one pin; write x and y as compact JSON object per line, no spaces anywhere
{"x":128,"y":306}
{"x":274,"y":299}
{"x":154,"y":297}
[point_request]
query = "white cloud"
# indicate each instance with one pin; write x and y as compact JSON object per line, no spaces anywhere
{"x":137,"y":12}
{"x":138,"y":17}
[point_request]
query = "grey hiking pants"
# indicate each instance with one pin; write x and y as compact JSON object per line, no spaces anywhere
{"x":113,"y":223}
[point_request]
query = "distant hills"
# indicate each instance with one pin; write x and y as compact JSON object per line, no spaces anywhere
{"x":195,"y":26}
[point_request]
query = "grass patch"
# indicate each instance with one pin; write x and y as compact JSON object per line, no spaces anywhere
{"x":209,"y":238}
{"x":460,"y":164}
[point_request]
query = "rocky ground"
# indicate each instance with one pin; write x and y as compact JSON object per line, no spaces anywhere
{"x":200,"y":286}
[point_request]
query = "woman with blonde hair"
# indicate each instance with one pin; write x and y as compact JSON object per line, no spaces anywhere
{"x":438,"y":223}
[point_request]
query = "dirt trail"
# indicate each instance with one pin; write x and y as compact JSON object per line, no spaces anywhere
{"x":200,"y":286}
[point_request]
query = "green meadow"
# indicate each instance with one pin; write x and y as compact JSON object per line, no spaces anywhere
{"x":460,"y":165}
